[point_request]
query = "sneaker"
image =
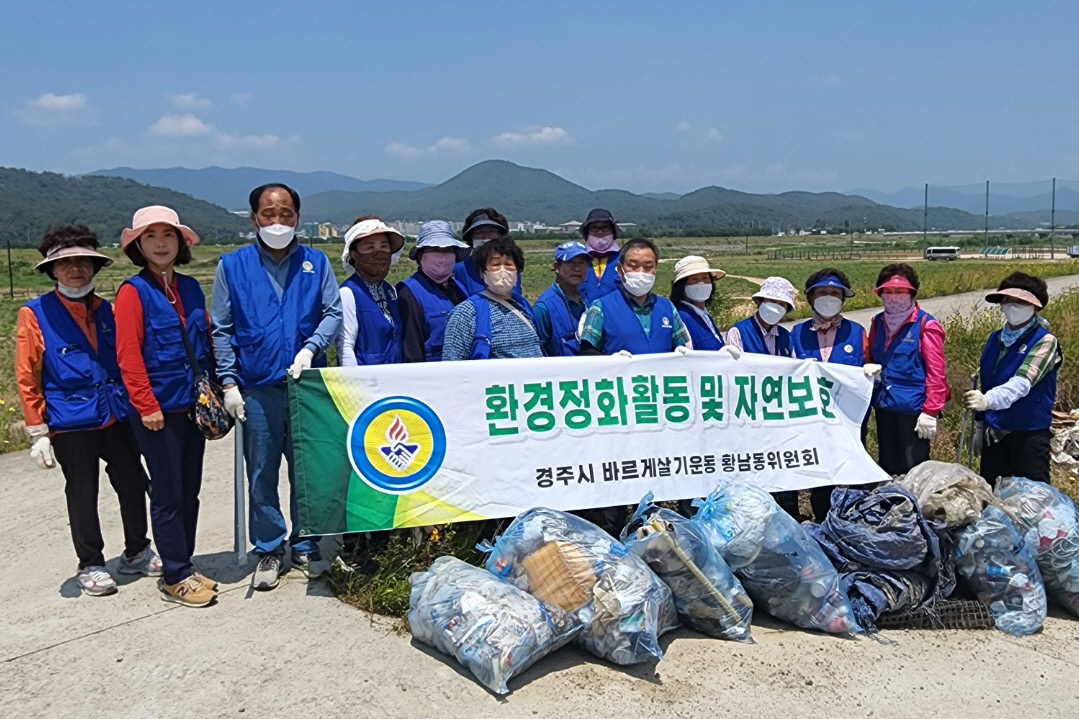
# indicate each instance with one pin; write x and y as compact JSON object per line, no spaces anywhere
{"x":190,"y":592}
{"x":96,"y":582}
{"x":145,"y":562}
{"x":304,"y":560}
{"x":267,"y":574}
{"x":204,"y":580}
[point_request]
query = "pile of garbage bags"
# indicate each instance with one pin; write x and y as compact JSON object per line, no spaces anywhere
{"x":782,"y":568}
{"x":571,"y":563}
{"x":949,"y":493}
{"x":707,"y":595}
{"x":493,"y":628}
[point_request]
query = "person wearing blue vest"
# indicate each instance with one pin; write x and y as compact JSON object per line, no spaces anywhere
{"x":761,"y":333}
{"x":692,"y":292}
{"x":430,"y":294}
{"x":156,"y":310}
{"x":601,"y":233}
{"x":559,"y":310}
{"x":481,"y":226}
{"x":493,"y":324}
{"x":830,"y":337}
{"x":370,"y":315}
{"x":634,"y":320}
{"x":276,"y":310}
{"x":908,"y":344}
{"x":76,"y":407}
{"x":1018,"y":384}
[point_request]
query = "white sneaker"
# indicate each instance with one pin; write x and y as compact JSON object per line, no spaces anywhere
{"x":145,"y":562}
{"x":96,"y":582}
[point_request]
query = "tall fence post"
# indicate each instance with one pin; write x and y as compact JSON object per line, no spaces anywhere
{"x":1053,"y":224}
{"x":10,"y":271}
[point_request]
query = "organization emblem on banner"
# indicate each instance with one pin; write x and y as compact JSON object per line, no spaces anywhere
{"x":397,"y":444}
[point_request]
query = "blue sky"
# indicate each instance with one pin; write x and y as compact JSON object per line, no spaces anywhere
{"x":647,"y":96}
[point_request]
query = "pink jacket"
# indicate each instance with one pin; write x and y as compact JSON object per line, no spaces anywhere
{"x":937,"y":392}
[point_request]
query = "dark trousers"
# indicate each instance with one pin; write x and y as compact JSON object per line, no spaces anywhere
{"x":174,"y":456}
{"x":79,"y":454}
{"x":1023,"y":453}
{"x":900,"y":448}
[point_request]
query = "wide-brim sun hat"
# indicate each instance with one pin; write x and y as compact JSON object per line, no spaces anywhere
{"x":482,"y":220}
{"x":366,"y":228}
{"x":896,"y":282}
{"x":438,"y":233}
{"x":100,"y":261}
{"x":1014,"y":293}
{"x":599,"y":215}
{"x":831,"y":281}
{"x":695,"y":265}
{"x":776,"y":289}
{"x":154,"y":214}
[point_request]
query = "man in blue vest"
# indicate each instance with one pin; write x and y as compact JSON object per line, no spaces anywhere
{"x":430,"y":294}
{"x":600,"y":233}
{"x":559,"y":309}
{"x":1019,"y":384}
{"x":275,"y":310}
{"x":634,"y":320}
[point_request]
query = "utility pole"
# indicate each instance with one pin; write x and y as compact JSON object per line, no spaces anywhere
{"x":10,"y":269}
{"x":925,"y":216}
{"x":987,"y":214}
{"x":1053,"y":224}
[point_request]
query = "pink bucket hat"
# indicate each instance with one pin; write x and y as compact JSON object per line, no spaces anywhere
{"x":898,"y":282}
{"x":153,"y":214}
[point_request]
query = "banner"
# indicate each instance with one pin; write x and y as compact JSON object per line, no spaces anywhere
{"x":404,"y":445}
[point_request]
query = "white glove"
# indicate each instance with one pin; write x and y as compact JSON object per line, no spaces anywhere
{"x":41,"y":452}
{"x":871,"y":371}
{"x":302,"y":361}
{"x":234,"y":403}
{"x":926,"y":426}
{"x":733,"y":351}
{"x":975,"y":400}
{"x":682,"y":350}
{"x":623,"y":353}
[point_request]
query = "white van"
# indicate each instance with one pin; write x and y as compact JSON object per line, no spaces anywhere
{"x":941,"y":253}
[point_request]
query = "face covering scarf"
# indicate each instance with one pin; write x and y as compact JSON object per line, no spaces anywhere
{"x":897,"y":309}
{"x":438,"y":266}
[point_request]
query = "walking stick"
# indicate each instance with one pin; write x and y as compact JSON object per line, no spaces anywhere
{"x":239,"y":505}
{"x":966,"y":434}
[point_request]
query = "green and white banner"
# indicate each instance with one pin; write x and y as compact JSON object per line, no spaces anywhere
{"x":417,"y":444}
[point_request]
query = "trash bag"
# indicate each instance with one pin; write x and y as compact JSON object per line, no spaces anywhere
{"x":491,"y":627}
{"x":569,"y":562}
{"x":1049,"y":523}
{"x":1002,"y":571}
{"x":948,"y":493}
{"x":707,"y":595}
{"x":782,"y":568}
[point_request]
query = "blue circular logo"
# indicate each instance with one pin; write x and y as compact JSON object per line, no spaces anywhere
{"x":397,"y":444}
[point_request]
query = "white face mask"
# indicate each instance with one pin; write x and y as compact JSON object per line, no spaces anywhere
{"x":1016,"y":314}
{"x":771,"y":312}
{"x":476,"y":244}
{"x":75,"y":293}
{"x":828,"y":307}
{"x":638,"y":284}
{"x":500,"y":282}
{"x":277,"y":237}
{"x":699,"y":292}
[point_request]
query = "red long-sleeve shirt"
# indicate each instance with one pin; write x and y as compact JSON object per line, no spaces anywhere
{"x":937,"y":392}
{"x":130,"y":335}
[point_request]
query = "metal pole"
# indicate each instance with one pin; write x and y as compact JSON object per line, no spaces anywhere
{"x":10,"y":270}
{"x":1053,"y":224}
{"x":987,"y":213}
{"x":239,"y":505}
{"x":925,"y":216}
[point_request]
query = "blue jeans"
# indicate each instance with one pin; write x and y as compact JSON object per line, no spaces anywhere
{"x":268,"y":436}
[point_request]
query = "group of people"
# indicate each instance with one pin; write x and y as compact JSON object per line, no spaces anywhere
{"x":117,"y":384}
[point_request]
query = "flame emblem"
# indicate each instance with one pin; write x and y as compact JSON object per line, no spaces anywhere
{"x":399,"y":453}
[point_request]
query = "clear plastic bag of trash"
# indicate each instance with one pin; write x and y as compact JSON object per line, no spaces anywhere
{"x":782,"y":568}
{"x":1049,"y":523}
{"x":569,"y":562}
{"x":491,"y":627}
{"x":1001,"y":569}
{"x":707,"y":595}
{"x":947,"y":492}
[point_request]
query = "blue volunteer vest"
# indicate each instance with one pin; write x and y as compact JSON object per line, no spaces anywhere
{"x":622,"y":328}
{"x":171,"y":376}
{"x":563,"y":341}
{"x":699,"y":331}
{"x":902,"y":380}
{"x":269,"y":331}
{"x":999,"y":364}
{"x":436,"y":312}
{"x":377,"y":341}
{"x":595,"y":287}
{"x":753,"y":338}
{"x":481,"y":344}
{"x":83,"y":387}
{"x":848,"y":347}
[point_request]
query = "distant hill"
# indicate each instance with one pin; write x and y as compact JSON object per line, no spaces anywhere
{"x":661,"y":195}
{"x":229,"y":187}
{"x":31,"y":201}
{"x":523,"y":193}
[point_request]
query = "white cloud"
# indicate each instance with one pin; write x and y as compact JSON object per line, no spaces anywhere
{"x":189,"y":101}
{"x":403,"y":150}
{"x":451,"y":144}
{"x":684,"y":126}
{"x":713,"y":135}
{"x":532,"y":136}
{"x":53,"y":109}
{"x":190,"y":127}
{"x":447,"y":144}
{"x":186,"y":125}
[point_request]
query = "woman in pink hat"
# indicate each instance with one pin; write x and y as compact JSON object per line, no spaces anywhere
{"x":159,"y":312}
{"x":908,"y":344}
{"x":76,"y":408}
